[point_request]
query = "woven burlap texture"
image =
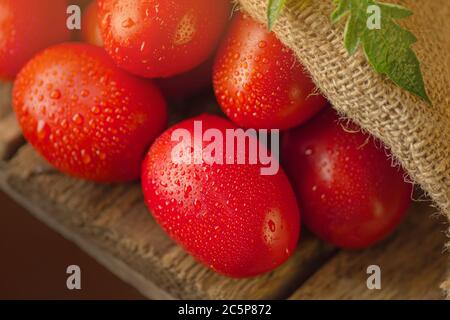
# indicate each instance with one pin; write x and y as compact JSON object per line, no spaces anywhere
{"x":417,"y":134}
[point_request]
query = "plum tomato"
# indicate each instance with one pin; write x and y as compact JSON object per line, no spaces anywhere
{"x":161,"y":38}
{"x":90,"y":29}
{"x":230,"y":217}
{"x":259,"y":82}
{"x":348,"y":191}
{"x":86,"y":116}
{"x":27,"y":27}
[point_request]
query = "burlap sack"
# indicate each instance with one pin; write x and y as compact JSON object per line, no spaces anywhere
{"x":417,"y":134}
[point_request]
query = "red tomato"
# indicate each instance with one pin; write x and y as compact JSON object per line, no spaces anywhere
{"x":82,"y":3}
{"x":87,"y":117}
{"x":90,"y":29}
{"x":348,"y":192}
{"x":161,"y":38}
{"x":188,"y":83}
{"x":229,"y":216}
{"x":259,"y":82}
{"x":27,"y":27}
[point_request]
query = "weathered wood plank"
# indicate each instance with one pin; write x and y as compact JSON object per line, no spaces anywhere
{"x":10,"y":136}
{"x":412,"y":263}
{"x":446,"y":285}
{"x":112,"y":224}
{"x":5,"y":98}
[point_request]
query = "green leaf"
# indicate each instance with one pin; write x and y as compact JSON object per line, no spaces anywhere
{"x":395,"y":11}
{"x":274,"y":10}
{"x":387,"y":48}
{"x":341,"y":10}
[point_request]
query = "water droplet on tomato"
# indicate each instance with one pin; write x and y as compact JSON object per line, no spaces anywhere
{"x":55,"y":94}
{"x":85,"y":157}
{"x":64,"y":124}
{"x":197,"y":205}
{"x":95,"y":110}
{"x":271,"y":225}
{"x":128,"y":23}
{"x":187,"y":190}
{"x":78,"y":119}
{"x":142,"y":46}
{"x":42,"y":129}
{"x":163,"y":184}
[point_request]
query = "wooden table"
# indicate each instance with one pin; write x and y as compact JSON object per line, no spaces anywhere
{"x":112,"y":224}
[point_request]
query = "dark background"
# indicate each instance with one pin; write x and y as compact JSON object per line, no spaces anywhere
{"x":34,"y":260}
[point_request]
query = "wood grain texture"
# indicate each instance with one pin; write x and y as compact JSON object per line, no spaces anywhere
{"x":112,"y":224}
{"x":5,"y":98}
{"x":413,"y":265}
{"x":446,"y":286}
{"x":10,"y":136}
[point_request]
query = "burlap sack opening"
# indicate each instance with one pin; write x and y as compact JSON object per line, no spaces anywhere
{"x":417,"y":134}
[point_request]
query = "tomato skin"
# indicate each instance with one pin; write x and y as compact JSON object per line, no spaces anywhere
{"x":87,"y":117}
{"x":82,"y":3}
{"x":348,"y":192}
{"x":258,"y":81}
{"x":27,"y":27}
{"x":229,"y":217}
{"x":90,"y":29}
{"x":161,"y":38}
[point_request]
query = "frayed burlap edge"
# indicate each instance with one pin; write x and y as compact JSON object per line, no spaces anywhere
{"x":417,"y":134}
{"x":446,"y":287}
